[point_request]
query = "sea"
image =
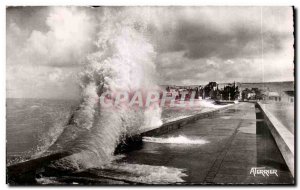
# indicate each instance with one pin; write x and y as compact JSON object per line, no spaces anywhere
{"x":34,"y":125}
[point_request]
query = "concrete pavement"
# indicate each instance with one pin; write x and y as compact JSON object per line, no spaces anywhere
{"x":238,"y":140}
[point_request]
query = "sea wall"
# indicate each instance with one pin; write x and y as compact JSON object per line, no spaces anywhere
{"x":25,"y":172}
{"x":135,"y":141}
{"x":283,"y":138}
{"x":170,"y":126}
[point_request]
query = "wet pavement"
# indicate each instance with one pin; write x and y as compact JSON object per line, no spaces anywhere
{"x":237,"y":141}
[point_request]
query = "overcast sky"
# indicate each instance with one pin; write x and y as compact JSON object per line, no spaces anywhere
{"x":46,"y":47}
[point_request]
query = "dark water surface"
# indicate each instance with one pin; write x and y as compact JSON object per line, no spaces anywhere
{"x":220,"y":149}
{"x":33,"y":124}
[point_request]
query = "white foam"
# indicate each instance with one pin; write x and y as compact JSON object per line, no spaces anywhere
{"x":226,"y":117}
{"x":175,"y":140}
{"x":149,"y":174}
{"x":123,"y":62}
{"x":48,"y":181}
{"x":138,"y":173}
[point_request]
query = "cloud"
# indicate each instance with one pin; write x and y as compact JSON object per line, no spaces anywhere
{"x":45,"y":55}
{"x":68,"y":40}
{"x":177,"y":69}
{"x":46,"y":46}
{"x":225,"y":32}
{"x":196,"y":44}
{"x":41,"y":82}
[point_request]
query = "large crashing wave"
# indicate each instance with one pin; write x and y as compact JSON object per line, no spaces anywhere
{"x":123,"y":62}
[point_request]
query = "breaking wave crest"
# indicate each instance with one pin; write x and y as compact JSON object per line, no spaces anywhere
{"x":123,"y":62}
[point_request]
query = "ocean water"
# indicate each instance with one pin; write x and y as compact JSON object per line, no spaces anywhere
{"x":38,"y":126}
{"x":124,"y":61}
{"x":174,"y":113}
{"x":33,"y":125}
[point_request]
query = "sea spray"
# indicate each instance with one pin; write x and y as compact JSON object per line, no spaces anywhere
{"x":123,"y":62}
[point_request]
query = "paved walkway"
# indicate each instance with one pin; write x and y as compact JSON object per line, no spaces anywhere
{"x":237,"y":141}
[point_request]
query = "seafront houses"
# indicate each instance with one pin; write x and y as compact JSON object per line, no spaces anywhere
{"x":284,"y":96}
{"x":288,"y":96}
{"x":273,"y":96}
{"x":248,"y":94}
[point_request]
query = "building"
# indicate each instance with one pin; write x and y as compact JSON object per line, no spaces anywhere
{"x":273,"y":96}
{"x":249,"y":94}
{"x":288,"y":96}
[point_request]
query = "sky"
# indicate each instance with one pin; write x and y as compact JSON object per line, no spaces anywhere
{"x":47,"y":46}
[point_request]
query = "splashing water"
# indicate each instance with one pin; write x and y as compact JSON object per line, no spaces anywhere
{"x":148,"y":174}
{"x":123,"y":62}
{"x":122,"y":172}
{"x":175,"y":140}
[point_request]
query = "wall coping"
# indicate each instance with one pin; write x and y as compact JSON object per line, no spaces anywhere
{"x":282,"y":136}
{"x":180,"y":122}
{"x":286,"y":135}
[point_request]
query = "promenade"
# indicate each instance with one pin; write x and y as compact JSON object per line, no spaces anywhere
{"x":223,"y":148}
{"x":237,"y":140}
